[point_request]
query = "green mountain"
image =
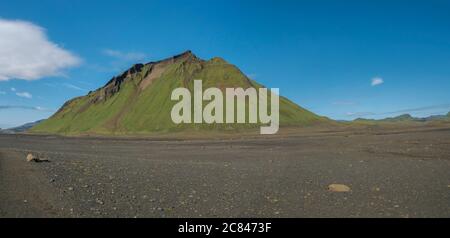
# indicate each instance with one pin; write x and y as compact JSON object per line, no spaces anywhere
{"x":138,"y":100}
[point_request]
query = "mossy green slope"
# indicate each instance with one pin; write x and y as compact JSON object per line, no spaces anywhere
{"x":138,"y":101}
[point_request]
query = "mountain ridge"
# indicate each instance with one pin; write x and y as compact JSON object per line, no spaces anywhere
{"x":407,"y":118}
{"x":19,"y":129}
{"x":138,"y":100}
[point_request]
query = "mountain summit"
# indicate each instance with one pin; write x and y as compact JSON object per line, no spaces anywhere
{"x":138,"y":100}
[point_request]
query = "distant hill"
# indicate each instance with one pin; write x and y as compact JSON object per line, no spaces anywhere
{"x":138,"y":100}
{"x":20,"y":129}
{"x":401,"y":118}
{"x":407,"y":118}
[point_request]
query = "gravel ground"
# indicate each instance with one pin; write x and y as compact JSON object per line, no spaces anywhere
{"x":401,"y":174}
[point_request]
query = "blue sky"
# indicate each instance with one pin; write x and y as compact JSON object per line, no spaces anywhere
{"x":323,"y":55}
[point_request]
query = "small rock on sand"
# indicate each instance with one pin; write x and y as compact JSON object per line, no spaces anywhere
{"x":34,"y":158}
{"x":338,"y":187}
{"x":31,"y":157}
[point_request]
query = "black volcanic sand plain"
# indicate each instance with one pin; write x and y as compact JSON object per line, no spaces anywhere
{"x":404,"y":173}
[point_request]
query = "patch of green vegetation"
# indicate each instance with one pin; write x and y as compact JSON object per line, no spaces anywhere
{"x":133,"y":110}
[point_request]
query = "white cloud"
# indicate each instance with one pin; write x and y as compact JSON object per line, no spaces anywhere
{"x":127,"y":56}
{"x":13,"y":89}
{"x":38,"y":108}
{"x":24,"y":95}
{"x":377,"y":81}
{"x":26,"y":52}
{"x":71,"y":86}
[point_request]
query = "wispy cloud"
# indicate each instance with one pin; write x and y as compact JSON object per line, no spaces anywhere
{"x":24,"y":95}
{"x":27,"y":53}
{"x":377,"y":81}
{"x":408,"y":110}
{"x":5,"y":107}
{"x":126,"y":56}
{"x":359,"y":114}
{"x":71,"y":86}
{"x":421,"y":109}
{"x":13,"y":89}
